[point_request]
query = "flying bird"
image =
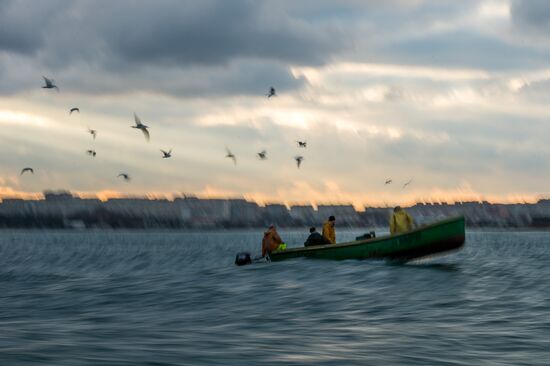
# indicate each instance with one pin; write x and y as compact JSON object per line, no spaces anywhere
{"x":166,"y":154}
{"x":298,"y":160}
{"x":406,"y":184}
{"x":124,"y":176}
{"x":92,"y":132}
{"x":262,"y":155}
{"x":50,"y":84}
{"x":92,"y":153}
{"x":75,"y":109}
{"x":26,"y":170}
{"x":388,"y":181}
{"x":271,"y":92}
{"x":141,"y":126}
{"x":230,"y":155}
{"x":302,"y":143}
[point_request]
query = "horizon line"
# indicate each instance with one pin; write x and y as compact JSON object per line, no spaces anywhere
{"x":105,"y":196}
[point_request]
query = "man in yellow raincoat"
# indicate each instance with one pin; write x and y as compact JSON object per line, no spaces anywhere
{"x":400,"y":221}
{"x":328,"y":230}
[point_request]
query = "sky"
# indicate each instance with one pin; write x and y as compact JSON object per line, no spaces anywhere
{"x":451,"y":94}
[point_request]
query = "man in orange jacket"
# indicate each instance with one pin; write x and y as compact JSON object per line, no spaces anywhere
{"x":328,"y":230}
{"x":271,"y":241}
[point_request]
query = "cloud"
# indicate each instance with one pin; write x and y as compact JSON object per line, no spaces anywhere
{"x":214,"y":32}
{"x":207,"y":48}
{"x":530,"y":23}
{"x":165,"y":32}
{"x":532,"y":14}
{"x":20,"y":25}
{"x":445,"y":92}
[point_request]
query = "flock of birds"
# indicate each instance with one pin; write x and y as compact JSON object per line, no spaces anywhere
{"x":50,"y":84}
{"x":390,"y":181}
{"x":262,"y":155}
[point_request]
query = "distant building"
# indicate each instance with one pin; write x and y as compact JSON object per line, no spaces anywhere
{"x":374,"y":217}
{"x":244,"y":213}
{"x":303,"y":215}
{"x":345,"y":214}
{"x":142,"y":212}
{"x":56,"y":196}
{"x":66,"y":205}
{"x":203,"y":212}
{"x":276,"y":214}
{"x":60,"y":209}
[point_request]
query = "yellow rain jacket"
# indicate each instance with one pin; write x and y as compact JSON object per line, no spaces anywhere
{"x":400,"y":222}
{"x":329,"y":232}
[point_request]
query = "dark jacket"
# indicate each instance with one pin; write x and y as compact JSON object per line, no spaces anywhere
{"x":316,"y":239}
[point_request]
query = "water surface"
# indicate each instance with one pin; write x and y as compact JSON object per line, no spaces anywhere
{"x":175,"y":298}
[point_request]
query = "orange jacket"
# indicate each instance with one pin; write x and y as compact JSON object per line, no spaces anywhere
{"x":329,"y":232}
{"x":271,"y":241}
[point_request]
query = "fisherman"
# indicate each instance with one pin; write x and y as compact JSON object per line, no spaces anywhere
{"x":400,"y":221}
{"x":315,"y":238}
{"x":328,"y":230}
{"x":272,"y":241}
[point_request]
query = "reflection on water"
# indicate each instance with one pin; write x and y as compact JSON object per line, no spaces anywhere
{"x":172,"y":298}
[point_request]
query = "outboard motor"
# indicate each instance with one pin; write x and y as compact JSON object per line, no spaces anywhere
{"x":243,"y":258}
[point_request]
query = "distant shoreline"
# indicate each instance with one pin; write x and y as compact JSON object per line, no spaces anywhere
{"x":64,"y":211}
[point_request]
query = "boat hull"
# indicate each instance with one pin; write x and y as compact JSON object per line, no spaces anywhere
{"x":443,"y":236}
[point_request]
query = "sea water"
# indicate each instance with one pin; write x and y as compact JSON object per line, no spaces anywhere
{"x":176,"y":298}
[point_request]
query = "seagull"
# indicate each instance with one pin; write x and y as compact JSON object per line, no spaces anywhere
{"x":262,"y":155}
{"x":271,"y":92}
{"x":406,"y":184}
{"x":75,"y":109}
{"x":388,"y":181}
{"x":167,"y":154}
{"x":141,"y":126}
{"x":302,"y":143}
{"x":92,"y":132}
{"x":231,"y":155}
{"x":125,"y":176}
{"x":298,"y":160}
{"x":49,"y":84}
{"x":26,"y":170}
{"x":92,"y":153}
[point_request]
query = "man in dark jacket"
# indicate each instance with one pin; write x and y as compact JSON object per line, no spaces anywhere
{"x":315,"y":238}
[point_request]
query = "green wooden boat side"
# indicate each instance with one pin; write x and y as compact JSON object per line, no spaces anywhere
{"x":439,"y":237}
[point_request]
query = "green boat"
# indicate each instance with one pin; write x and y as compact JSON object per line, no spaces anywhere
{"x":437,"y":238}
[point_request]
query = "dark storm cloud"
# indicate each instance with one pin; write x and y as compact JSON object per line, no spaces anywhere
{"x":173,"y":32}
{"x":213,"y":32}
{"x":240,"y":77}
{"x":534,"y":14}
{"x":217,"y":47}
{"x":21,"y":25}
